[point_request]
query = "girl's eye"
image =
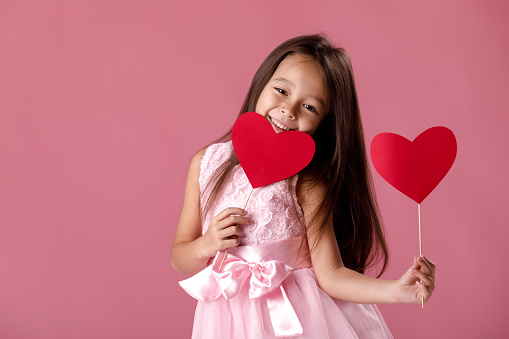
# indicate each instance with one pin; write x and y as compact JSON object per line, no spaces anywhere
{"x":282,"y":91}
{"x":311,"y":108}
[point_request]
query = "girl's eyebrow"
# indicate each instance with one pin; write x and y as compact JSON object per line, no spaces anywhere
{"x":320,"y":101}
{"x":285,"y":81}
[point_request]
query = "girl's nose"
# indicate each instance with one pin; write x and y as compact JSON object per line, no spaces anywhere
{"x":287,"y":112}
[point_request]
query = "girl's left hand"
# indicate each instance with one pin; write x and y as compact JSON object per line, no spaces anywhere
{"x":417,"y":282}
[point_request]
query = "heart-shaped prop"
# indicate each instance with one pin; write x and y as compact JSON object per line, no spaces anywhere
{"x":414,"y":168}
{"x":267,"y":156}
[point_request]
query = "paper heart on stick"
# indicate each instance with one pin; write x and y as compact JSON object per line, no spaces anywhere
{"x":267,"y":156}
{"x":416,"y":167}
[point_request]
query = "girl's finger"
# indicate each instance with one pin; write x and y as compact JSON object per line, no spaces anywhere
{"x":429,"y":261}
{"x":426,"y":279}
{"x":227,"y":243}
{"x":431,"y":264}
{"x":425,"y":291}
{"x":426,"y":284}
{"x":231,"y":243}
{"x":426,"y":267}
{"x":233,"y":220}
{"x":229,"y":211}
{"x":416,"y":264}
{"x":232,"y":231}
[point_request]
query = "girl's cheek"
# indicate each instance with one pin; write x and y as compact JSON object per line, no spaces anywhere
{"x":274,"y":97}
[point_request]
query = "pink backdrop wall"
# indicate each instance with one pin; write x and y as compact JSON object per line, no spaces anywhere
{"x":103,"y":103}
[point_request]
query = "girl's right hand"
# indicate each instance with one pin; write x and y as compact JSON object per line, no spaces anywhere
{"x":224,"y":230}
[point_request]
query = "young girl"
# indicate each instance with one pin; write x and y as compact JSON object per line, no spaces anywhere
{"x":298,"y":251}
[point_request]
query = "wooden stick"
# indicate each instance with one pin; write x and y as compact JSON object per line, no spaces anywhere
{"x":226,"y":252}
{"x":420,"y":244}
{"x":420,"y":237}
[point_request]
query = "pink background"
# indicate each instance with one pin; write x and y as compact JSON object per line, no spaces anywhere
{"x":103,"y":103}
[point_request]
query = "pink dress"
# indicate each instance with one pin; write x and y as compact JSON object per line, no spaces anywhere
{"x":266,"y":287}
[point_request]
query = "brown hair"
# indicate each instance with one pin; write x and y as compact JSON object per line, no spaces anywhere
{"x":340,"y":157}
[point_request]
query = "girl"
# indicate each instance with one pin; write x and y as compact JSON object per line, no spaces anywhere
{"x":298,"y":251}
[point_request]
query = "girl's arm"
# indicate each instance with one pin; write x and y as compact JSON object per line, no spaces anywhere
{"x":191,"y":250}
{"x":342,"y":283}
{"x":186,"y":254}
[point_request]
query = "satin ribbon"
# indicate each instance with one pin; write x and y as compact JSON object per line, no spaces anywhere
{"x":264,"y":278}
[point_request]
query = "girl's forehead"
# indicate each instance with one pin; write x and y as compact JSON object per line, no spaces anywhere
{"x":298,"y":62}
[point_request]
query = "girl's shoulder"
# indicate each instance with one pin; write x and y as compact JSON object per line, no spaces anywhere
{"x":216,"y":153}
{"x":218,"y":149}
{"x":211,"y":158}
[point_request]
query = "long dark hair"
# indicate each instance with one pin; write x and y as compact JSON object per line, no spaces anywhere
{"x":340,"y":156}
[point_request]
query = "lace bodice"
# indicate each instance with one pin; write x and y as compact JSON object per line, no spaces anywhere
{"x":273,"y":208}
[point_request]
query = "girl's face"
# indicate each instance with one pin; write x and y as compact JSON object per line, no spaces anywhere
{"x":295,"y":98}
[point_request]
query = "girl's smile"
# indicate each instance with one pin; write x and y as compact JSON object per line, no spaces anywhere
{"x":278,"y":125}
{"x":295,"y":97}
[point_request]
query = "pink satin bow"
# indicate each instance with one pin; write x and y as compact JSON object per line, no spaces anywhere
{"x":264,"y":277}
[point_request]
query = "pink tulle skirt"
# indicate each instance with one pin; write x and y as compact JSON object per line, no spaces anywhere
{"x":270,"y":291}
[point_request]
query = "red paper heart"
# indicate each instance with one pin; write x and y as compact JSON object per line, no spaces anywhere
{"x":414,"y":168}
{"x":267,"y":156}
